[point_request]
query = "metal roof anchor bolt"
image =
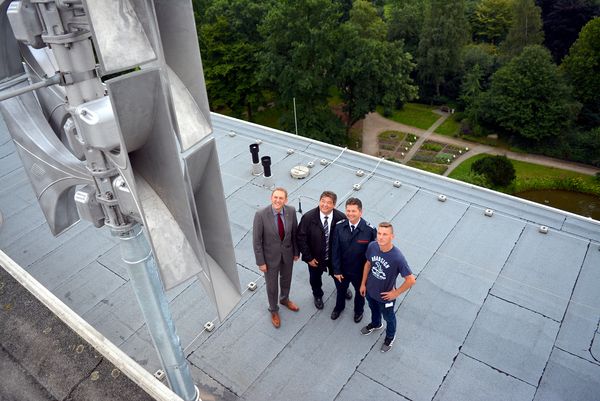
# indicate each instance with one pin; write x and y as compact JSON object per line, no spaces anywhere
{"x":209,"y":326}
{"x":360,"y":173}
{"x":160,"y":374}
{"x":543,"y":230}
{"x":252,"y":286}
{"x":442,"y":198}
{"x":356,"y":187}
{"x":488,"y":212}
{"x":397,"y":184}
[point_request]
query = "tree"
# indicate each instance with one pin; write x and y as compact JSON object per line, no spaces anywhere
{"x":405,"y":20}
{"x":372,"y":71}
{"x":498,"y":170}
{"x":529,"y":99}
{"x":582,"y":69}
{"x":298,"y":54}
{"x":229,"y":42}
{"x":491,"y":20}
{"x":367,"y":21}
{"x":563,"y":19}
{"x":526,"y":28}
{"x":443,"y":35}
{"x":299,"y":49}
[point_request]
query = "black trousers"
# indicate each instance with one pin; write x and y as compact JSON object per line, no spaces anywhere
{"x":316,"y":278}
{"x":342,"y":287}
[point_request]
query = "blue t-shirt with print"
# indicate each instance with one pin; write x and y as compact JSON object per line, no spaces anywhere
{"x":385,"y":268}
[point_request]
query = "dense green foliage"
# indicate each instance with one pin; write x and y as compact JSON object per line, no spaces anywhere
{"x":582,"y":68}
{"x":338,"y":60}
{"x":445,"y":31}
{"x":491,"y":21}
{"x":372,"y":71}
{"x":526,"y":28}
{"x":563,"y":19}
{"x":528,"y":98}
{"x":498,"y":170}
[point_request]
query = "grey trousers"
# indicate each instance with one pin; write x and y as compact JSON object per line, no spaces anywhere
{"x":277,"y":276}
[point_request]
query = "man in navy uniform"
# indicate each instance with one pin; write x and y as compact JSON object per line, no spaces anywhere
{"x":350,"y":240}
{"x":315,"y":239}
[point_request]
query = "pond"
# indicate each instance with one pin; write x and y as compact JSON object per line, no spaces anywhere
{"x":574,"y":202}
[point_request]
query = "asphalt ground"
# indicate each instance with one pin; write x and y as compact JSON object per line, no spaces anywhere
{"x":41,"y":358}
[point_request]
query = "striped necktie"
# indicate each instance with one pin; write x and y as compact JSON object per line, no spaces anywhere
{"x":326,"y":229}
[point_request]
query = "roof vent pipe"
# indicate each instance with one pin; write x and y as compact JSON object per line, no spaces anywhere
{"x":266,"y":164}
{"x":256,"y":169}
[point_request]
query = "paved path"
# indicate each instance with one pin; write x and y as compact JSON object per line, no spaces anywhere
{"x":424,"y":137}
{"x":374,"y":124}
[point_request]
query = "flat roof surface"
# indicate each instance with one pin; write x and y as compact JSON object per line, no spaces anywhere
{"x":500,"y":310}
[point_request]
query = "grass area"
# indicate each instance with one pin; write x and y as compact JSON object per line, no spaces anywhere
{"x":355,"y":140}
{"x":413,"y":114}
{"x":269,"y":117}
{"x":432,"y":168}
{"x":450,"y":127}
{"x":532,"y":176}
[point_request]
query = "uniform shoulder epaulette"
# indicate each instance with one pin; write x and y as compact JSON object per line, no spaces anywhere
{"x":369,"y":224}
{"x":341,"y":221}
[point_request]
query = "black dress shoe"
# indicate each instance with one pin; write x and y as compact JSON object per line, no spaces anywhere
{"x":319,"y":302}
{"x":335,"y":314}
{"x":348,"y":294}
{"x":357,"y":317}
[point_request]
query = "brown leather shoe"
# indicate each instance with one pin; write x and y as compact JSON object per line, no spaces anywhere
{"x":290,"y":305}
{"x":275,"y":319}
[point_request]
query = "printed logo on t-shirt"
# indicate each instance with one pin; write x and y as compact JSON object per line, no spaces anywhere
{"x":377,"y":266}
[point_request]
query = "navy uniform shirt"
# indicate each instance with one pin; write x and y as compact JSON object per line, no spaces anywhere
{"x":349,"y":248}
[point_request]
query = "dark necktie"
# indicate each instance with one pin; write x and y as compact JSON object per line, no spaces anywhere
{"x":326,"y":229}
{"x":352,"y":228}
{"x":280,"y":226}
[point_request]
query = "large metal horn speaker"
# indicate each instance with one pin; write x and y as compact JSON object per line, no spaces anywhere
{"x":153,"y":125}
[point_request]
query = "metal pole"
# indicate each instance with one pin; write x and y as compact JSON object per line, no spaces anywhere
{"x":38,"y":85}
{"x":148,"y":288}
{"x":295,"y":120}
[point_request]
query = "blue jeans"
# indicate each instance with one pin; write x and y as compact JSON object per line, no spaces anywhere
{"x":378,"y":309}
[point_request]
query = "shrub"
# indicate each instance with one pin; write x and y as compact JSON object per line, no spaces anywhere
{"x":498,"y":170}
{"x":432,"y":146}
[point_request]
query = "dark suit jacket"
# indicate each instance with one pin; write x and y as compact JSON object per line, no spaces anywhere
{"x":268,"y":247}
{"x":311,"y":236}
{"x":349,"y":248}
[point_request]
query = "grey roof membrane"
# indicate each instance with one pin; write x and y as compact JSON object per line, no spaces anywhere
{"x":500,"y":311}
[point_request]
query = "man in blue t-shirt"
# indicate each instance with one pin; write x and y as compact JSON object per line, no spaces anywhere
{"x":384,"y":263}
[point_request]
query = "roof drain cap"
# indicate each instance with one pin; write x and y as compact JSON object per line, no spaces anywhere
{"x":299,"y":172}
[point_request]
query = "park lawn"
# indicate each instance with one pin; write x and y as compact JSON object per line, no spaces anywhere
{"x":268,"y":117}
{"x":528,"y":172}
{"x":449,"y":127}
{"x":413,"y":114}
{"x":431,"y":167}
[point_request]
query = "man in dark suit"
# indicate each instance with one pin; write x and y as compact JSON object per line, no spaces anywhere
{"x":315,"y":239}
{"x":351,"y":238}
{"x":275,"y":250}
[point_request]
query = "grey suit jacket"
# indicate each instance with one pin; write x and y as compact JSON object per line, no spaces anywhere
{"x":268,"y":247}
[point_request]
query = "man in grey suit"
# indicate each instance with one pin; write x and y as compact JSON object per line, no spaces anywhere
{"x":275,"y":250}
